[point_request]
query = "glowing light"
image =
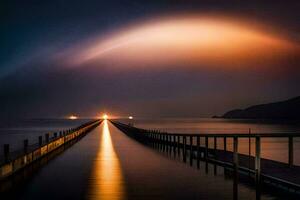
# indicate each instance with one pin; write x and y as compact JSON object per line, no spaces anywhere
{"x":130,"y":117}
{"x":106,"y":181}
{"x":193,"y":39}
{"x":105,"y":116}
{"x":72,"y":117}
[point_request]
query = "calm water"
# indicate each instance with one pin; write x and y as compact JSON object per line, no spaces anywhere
{"x":106,"y":164}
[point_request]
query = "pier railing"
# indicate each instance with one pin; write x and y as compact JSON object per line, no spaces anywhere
{"x":189,"y":145}
{"x":12,"y":162}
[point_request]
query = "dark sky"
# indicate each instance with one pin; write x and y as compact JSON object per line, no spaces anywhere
{"x":36,"y":36}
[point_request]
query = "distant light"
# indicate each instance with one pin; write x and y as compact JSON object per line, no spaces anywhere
{"x":73,"y":117}
{"x":105,"y":116}
{"x":130,"y":117}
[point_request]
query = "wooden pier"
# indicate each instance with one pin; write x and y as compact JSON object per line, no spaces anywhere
{"x":285,"y":176}
{"x":12,"y":162}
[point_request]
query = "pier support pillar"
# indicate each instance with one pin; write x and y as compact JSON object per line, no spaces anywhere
{"x":191,"y":150}
{"x":291,"y":151}
{"x":257,"y":167}
{"x":184,"y":149}
{"x":174,"y":144}
{"x":206,"y":154}
{"x":236,"y":167}
{"x":170,"y":143}
{"x":206,"y":148}
{"x":178,"y":145}
{"x":215,"y":154}
{"x":198,"y":151}
{"x":165,"y":141}
{"x":215,"y":146}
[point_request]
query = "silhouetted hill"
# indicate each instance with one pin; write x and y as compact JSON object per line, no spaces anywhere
{"x":289,"y":109}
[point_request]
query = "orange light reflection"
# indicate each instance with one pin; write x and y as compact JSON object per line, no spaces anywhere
{"x":107,"y":180}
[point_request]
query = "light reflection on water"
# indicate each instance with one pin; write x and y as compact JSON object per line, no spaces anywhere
{"x":106,"y":181}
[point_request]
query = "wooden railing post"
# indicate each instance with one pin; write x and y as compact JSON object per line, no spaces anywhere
{"x":257,"y":167}
{"x":215,"y":146}
{"x":184,"y":149}
{"x":178,"y":145}
{"x":206,"y":154}
{"x":291,"y":151}
{"x":157,"y":140}
{"x":236,"y":167}
{"x":191,"y":150}
{"x":206,"y":148}
{"x":198,"y":151}
{"x":165,"y":142}
{"x":215,"y":154}
{"x":225,"y":144}
{"x":174,"y":144}
{"x":170,"y":143}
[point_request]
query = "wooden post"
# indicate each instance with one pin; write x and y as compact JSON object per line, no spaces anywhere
{"x":25,"y":143}
{"x":162,"y":141}
{"x":215,"y":146}
{"x":40,"y":140}
{"x":198,"y":151}
{"x":170,"y":143}
{"x":191,"y":150}
{"x":184,"y":149}
{"x":257,"y":167}
{"x":236,"y":167}
{"x":6,"y":152}
{"x":225,"y":144}
{"x":215,"y":154}
{"x":206,"y":154}
{"x":249,"y":151}
{"x":178,"y":145}
{"x":174,"y":144}
{"x":154,"y":139}
{"x":165,"y":142}
{"x":157,"y":140}
{"x":206,"y":148}
{"x":291,"y":151}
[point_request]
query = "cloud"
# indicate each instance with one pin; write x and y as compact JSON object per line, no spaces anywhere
{"x":192,"y":41}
